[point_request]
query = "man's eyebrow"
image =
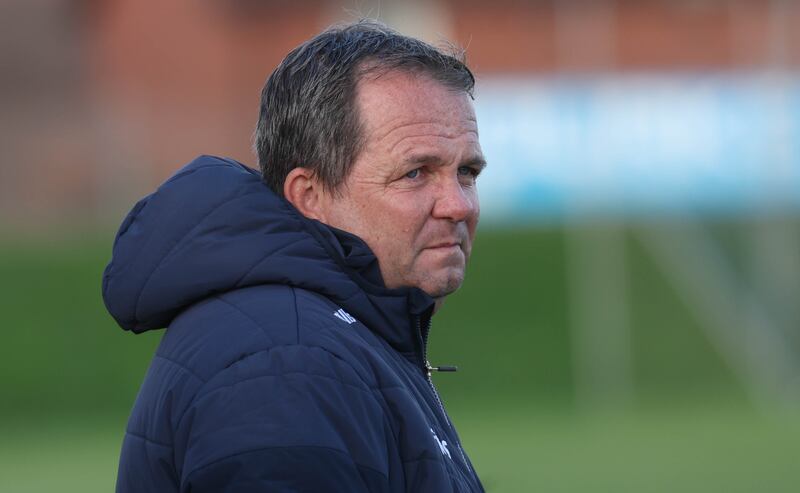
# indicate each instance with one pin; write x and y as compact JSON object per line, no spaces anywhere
{"x":434,"y":160}
{"x":477,"y":162}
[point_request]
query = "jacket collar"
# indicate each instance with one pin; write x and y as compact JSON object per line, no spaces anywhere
{"x":401,"y":316}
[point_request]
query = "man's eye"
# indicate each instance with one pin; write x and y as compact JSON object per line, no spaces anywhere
{"x":413,"y":173}
{"x":467,"y":171}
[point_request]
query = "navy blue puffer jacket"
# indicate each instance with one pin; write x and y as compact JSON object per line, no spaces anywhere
{"x":286,"y":365}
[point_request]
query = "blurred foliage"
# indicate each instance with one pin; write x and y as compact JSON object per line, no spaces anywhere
{"x":63,"y":354}
{"x":507,"y":329}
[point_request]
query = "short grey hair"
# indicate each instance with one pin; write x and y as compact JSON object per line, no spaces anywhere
{"x":308,"y":115}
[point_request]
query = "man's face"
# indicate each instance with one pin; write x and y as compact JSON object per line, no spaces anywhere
{"x":411,"y":193}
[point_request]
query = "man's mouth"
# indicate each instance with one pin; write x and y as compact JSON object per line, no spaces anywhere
{"x":445,"y":245}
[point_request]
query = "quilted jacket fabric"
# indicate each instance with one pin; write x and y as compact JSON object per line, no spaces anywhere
{"x":286,"y":365}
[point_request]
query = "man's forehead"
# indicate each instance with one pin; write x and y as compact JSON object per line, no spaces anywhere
{"x":402,"y":86}
{"x":402,"y":100}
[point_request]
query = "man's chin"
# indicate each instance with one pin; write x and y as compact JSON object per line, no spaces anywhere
{"x":444,"y":286}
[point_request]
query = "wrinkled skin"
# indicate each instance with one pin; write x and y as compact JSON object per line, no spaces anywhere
{"x":411,"y":194}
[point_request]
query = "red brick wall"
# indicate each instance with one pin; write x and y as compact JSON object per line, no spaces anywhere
{"x":188,"y":74}
{"x":146,"y":85}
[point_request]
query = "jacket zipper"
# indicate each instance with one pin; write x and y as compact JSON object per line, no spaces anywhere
{"x":427,"y":369}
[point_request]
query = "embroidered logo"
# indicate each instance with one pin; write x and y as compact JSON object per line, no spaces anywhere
{"x":442,"y":445}
{"x":344,"y":316}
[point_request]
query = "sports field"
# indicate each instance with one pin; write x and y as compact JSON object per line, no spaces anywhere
{"x":514,"y":450}
{"x":69,"y":376}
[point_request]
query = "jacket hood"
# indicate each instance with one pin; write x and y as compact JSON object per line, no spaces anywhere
{"x":215,"y":226}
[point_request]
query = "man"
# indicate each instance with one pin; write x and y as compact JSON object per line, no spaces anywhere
{"x":299,"y":311}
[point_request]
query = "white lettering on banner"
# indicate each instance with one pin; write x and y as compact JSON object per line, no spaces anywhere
{"x":639,"y":144}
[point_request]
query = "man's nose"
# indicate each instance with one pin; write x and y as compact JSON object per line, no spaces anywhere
{"x":455,"y":202}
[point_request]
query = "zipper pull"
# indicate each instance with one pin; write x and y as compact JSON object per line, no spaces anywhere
{"x":439,"y":368}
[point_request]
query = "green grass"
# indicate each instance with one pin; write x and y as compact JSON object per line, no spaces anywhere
{"x":68,"y":373}
{"x":719,"y":449}
{"x":57,"y":454}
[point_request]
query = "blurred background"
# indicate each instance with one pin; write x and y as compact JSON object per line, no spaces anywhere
{"x":630,"y":321}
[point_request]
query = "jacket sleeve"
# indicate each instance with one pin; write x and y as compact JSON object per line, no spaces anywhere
{"x":291,"y":418}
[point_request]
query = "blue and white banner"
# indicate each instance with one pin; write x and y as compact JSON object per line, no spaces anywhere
{"x":639,"y":145}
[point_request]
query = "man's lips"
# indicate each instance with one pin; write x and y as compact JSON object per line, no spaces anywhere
{"x":444,"y":244}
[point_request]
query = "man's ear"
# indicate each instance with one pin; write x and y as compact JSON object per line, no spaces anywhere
{"x":305,"y":192}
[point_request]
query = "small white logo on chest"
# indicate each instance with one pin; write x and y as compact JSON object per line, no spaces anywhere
{"x":442,"y":445}
{"x":344,"y":316}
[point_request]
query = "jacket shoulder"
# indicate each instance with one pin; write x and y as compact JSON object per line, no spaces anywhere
{"x":213,"y":334}
{"x":257,"y":360}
